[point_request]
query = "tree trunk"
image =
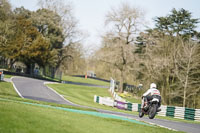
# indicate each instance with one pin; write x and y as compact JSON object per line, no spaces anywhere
{"x":30,"y":68}
{"x":121,"y":81}
{"x":12,"y":61}
{"x":169,"y":91}
{"x":163,"y":94}
{"x":185,"y":91}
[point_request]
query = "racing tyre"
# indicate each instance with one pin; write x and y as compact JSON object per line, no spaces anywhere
{"x":152,"y":111}
{"x":141,"y":114}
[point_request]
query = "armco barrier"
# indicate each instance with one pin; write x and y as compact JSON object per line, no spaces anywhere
{"x":104,"y":100}
{"x":197,"y":115}
{"x":107,"y":101}
{"x":179,"y":112}
{"x":170,"y":111}
{"x":121,"y":105}
{"x":129,"y":106}
{"x":96,"y":99}
{"x":135,"y":107}
{"x":189,"y":114}
{"x":163,"y":110}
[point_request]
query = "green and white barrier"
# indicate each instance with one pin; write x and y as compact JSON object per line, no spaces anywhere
{"x":104,"y":100}
{"x":96,"y":99}
{"x":197,"y":115}
{"x":189,"y":114}
{"x":179,"y":112}
{"x":163,"y":110}
{"x":171,"y":111}
{"x":135,"y":107}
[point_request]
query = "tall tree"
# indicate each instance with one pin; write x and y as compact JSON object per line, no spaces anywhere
{"x":67,"y":23}
{"x":125,"y":22}
{"x":48,"y":24}
{"x":5,"y":22}
{"x":25,"y":43}
{"x":178,"y":23}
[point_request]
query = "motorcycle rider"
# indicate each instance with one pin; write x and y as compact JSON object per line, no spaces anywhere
{"x":151,"y":93}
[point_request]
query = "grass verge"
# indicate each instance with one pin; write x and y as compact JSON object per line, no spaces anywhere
{"x":83,"y":80}
{"x":7,"y":76}
{"x":17,"y":117}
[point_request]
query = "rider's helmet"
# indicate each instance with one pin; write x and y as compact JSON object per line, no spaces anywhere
{"x":153,"y":86}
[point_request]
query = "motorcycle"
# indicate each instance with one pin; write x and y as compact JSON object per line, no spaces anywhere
{"x":150,"y":108}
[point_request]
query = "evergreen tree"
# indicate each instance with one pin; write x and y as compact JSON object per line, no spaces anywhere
{"x":177,"y":23}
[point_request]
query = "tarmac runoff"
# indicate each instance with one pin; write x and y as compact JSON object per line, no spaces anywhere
{"x":81,"y":112}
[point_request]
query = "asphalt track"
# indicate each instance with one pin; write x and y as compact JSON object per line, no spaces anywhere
{"x":84,"y":84}
{"x":37,"y":90}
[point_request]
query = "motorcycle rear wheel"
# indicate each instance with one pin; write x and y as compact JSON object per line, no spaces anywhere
{"x":152,"y":111}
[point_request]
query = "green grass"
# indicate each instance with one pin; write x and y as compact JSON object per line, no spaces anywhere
{"x":7,"y":76}
{"x":6,"y":89}
{"x":78,"y":94}
{"x":16,"y":117}
{"x":133,"y":99}
{"x":83,"y":80}
{"x":49,"y":78}
{"x":82,"y":95}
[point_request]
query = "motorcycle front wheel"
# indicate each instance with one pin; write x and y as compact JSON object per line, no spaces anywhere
{"x":141,"y":114}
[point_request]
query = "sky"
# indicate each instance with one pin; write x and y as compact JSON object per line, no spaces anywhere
{"x":91,"y":13}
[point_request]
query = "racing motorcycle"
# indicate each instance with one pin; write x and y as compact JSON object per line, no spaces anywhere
{"x":150,"y":108}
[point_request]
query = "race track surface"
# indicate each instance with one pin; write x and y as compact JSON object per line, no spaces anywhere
{"x":35,"y":89}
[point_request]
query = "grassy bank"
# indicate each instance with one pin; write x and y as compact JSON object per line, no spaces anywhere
{"x":82,"y":95}
{"x":18,"y":117}
{"x":78,"y":94}
{"x":83,"y":80}
{"x":6,"y":89}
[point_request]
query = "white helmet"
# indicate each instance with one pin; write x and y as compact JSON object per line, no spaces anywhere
{"x":153,"y":85}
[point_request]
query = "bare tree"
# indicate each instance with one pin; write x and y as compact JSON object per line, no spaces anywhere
{"x":76,"y":64}
{"x":187,"y":66}
{"x":118,"y":43}
{"x":126,"y":22}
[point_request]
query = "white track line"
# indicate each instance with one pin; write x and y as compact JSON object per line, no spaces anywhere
{"x":16,"y":87}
